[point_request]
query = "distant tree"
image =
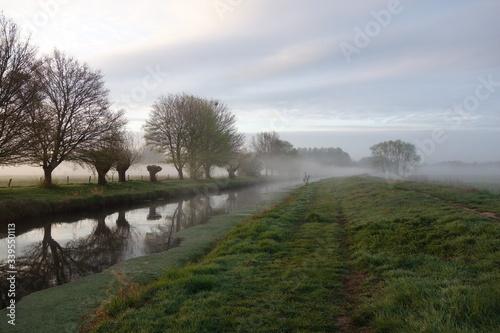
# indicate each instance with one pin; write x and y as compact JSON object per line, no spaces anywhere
{"x":74,"y":115}
{"x":284,"y":157}
{"x":396,"y":157}
{"x":232,"y":166}
{"x":237,"y":160}
{"x":19,"y":90}
{"x":271,"y":150}
{"x":366,"y":162}
{"x":219,"y":140}
{"x":263,"y":144}
{"x":129,"y":151}
{"x":249,"y":164}
{"x":326,"y":156}
{"x":168,"y":126}
{"x":195,"y":133}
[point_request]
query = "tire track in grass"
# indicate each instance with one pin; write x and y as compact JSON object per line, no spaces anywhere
{"x":352,"y":282}
{"x":276,"y":272}
{"x":491,"y":216}
{"x":459,"y":205}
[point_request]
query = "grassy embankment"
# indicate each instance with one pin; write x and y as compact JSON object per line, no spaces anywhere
{"x":434,"y":265}
{"x":350,"y":255}
{"x":59,"y":309}
{"x":19,"y":203}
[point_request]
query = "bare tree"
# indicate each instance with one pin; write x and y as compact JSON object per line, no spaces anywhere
{"x":167,"y":128}
{"x":18,"y":90}
{"x":220,"y":140}
{"x":102,"y":156}
{"x":248,"y":164}
{"x":271,"y":150}
{"x":197,"y":118}
{"x":395,"y":157}
{"x":232,"y":166}
{"x":195,"y":133}
{"x":262,"y":144}
{"x":75,"y":114}
{"x":129,"y":152}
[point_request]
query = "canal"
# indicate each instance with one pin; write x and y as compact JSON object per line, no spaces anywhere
{"x":58,"y":251}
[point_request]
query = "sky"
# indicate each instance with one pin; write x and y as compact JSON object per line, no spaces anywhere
{"x":323,"y":73}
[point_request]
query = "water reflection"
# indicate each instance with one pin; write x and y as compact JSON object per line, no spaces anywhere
{"x":62,"y":251}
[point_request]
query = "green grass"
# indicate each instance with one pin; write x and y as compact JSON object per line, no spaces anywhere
{"x":482,"y":200}
{"x":60,"y":309}
{"x":277,"y":272}
{"x":74,"y":179}
{"x":423,"y":263}
{"x":427,"y":266}
{"x":20,"y":203}
{"x":436,"y":267}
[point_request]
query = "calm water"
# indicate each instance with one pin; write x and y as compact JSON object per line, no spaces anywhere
{"x":63,"y":250}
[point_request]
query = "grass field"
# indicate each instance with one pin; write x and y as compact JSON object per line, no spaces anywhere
{"x":349,"y":255}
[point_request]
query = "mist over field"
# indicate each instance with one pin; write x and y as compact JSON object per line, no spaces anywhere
{"x":317,"y":68}
{"x":286,"y":165}
{"x":322,"y":75}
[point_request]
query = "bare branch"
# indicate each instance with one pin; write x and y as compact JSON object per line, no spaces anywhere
{"x":19,"y":90}
{"x":75,"y":115}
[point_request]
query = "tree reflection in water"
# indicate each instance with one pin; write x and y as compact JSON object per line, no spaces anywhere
{"x":47,"y":262}
{"x":104,"y":246}
{"x":161,"y":237}
{"x":187,"y":213}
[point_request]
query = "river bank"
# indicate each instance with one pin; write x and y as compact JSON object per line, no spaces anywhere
{"x":60,"y":309}
{"x":358,"y":254}
{"x":19,"y":204}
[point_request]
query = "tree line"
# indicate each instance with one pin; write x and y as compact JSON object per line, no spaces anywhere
{"x":55,"y":108}
{"x":195,"y":134}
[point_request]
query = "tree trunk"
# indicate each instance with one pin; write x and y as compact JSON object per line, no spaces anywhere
{"x":207,"y":171}
{"x":47,"y":174}
{"x":121,"y":175}
{"x":101,"y":178}
{"x":121,"y":220}
{"x":153,"y":170}
{"x":231,"y":170}
{"x":181,"y":174}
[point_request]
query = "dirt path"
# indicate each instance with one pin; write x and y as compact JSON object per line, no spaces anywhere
{"x":488,"y":215}
{"x":352,"y":283}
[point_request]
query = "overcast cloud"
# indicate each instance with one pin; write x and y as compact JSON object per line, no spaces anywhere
{"x":322,"y":73}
